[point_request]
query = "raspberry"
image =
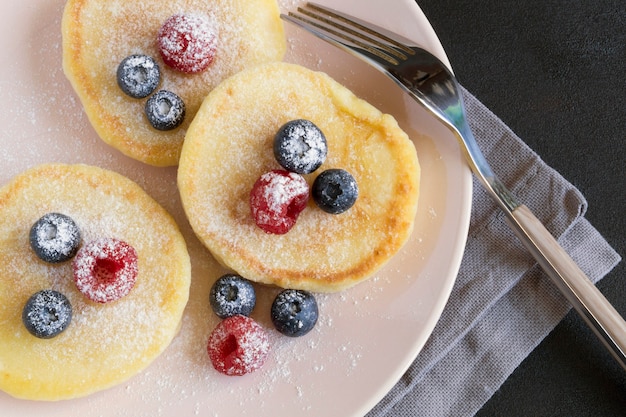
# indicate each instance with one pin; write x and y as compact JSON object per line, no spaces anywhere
{"x":105,"y":269}
{"x":277,"y":199}
{"x":187,"y":42}
{"x":238,"y":345}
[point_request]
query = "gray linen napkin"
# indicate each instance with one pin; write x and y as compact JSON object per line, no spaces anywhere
{"x":502,"y":304}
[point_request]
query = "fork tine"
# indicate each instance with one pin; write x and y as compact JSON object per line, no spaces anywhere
{"x":351,"y":34}
{"x":382,"y":34}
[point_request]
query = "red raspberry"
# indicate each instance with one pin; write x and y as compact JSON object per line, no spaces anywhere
{"x":238,"y":345}
{"x":105,"y":269}
{"x":277,"y":199}
{"x":187,"y":42}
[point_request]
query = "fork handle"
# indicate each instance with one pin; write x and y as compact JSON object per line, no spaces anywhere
{"x":590,"y":303}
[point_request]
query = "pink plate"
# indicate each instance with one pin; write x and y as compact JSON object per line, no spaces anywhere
{"x":366,"y":337}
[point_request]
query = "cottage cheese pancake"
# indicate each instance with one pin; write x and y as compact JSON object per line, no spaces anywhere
{"x":194,"y":43}
{"x":229,"y":145}
{"x":106,"y":341}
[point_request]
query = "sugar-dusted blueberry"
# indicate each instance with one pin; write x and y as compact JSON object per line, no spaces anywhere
{"x":138,"y":75}
{"x":47,"y":313}
{"x":294,"y":312}
{"x":55,"y":237}
{"x":165,"y":110}
{"x":300,"y":146}
{"x":335,"y":191}
{"x":277,"y":199}
{"x":232,"y":294}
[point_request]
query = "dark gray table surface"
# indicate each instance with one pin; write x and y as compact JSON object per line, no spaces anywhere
{"x":555,"y":72}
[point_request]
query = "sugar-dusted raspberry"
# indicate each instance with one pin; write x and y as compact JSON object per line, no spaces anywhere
{"x":105,"y":269}
{"x":187,"y":42}
{"x":238,"y":345}
{"x":277,"y":199}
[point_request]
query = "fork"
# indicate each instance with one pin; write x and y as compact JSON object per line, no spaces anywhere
{"x":429,"y":81}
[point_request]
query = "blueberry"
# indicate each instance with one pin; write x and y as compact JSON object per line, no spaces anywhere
{"x":335,"y":191}
{"x":46,"y":314}
{"x":55,"y":237}
{"x":165,"y":110}
{"x":294,"y":312}
{"x":138,"y":75}
{"x":232,"y":295}
{"x":300,"y":146}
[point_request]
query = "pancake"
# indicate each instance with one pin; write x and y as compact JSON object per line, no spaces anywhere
{"x":229,"y":145}
{"x":105,"y":343}
{"x":99,"y":34}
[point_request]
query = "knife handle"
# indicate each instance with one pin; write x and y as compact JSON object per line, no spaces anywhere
{"x":588,"y":301}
